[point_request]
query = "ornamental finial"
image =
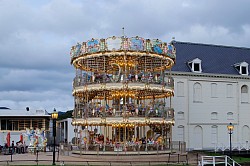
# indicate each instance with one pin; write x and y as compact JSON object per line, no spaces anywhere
{"x":123,"y":33}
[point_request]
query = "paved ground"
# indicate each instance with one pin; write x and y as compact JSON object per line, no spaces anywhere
{"x":84,"y":159}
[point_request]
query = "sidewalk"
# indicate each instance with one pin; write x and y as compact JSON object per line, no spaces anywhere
{"x":76,"y":159}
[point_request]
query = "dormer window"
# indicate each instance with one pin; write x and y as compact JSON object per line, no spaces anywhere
{"x":242,"y":68}
{"x":195,"y":65}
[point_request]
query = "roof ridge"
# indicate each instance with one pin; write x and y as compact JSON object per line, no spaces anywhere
{"x":213,"y":45}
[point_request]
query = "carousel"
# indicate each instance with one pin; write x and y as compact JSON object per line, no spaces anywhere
{"x":122,"y":93}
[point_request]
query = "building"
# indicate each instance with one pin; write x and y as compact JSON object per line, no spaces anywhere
{"x":15,"y":123}
{"x":211,"y":90}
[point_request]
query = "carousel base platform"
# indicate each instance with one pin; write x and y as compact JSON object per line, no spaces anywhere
{"x":120,"y":153}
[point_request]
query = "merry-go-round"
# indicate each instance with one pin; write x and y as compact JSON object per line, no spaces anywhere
{"x":122,"y":93}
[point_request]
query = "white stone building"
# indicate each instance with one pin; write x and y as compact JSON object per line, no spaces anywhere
{"x":211,"y":90}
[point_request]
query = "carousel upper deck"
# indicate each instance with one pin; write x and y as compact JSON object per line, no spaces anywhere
{"x":121,"y":81}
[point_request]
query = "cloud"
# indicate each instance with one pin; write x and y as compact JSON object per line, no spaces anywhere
{"x":37,"y":100}
{"x":36,"y":37}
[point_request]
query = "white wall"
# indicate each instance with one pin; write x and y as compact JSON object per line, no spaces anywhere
{"x":202,"y":129}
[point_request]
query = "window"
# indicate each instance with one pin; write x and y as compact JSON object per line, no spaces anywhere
{"x":229,"y":90}
{"x":245,"y":135}
{"x":214,"y":116}
{"x":3,"y":124}
{"x":242,"y":68}
{"x":180,"y":133}
{"x":213,"y":90}
{"x":195,"y":65}
{"x":244,"y":94}
{"x":230,"y":116}
{"x":214,"y":134}
{"x":180,"y":115}
{"x":180,"y":89}
{"x":197,"y":92}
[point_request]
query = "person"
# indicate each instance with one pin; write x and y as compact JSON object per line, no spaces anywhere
{"x":18,"y":148}
{"x":13,"y":147}
{"x":24,"y":146}
{"x":6,"y":148}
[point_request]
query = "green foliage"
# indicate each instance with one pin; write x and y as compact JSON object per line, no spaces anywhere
{"x":66,"y":115}
{"x":239,"y":159}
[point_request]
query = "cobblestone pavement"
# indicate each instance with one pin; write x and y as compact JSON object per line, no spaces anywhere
{"x":45,"y":158}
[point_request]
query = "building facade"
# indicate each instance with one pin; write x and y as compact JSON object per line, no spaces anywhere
{"x":211,"y":90}
{"x":16,"y":124}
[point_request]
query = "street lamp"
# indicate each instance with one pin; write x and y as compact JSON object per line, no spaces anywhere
{"x":54,"y":116}
{"x":230,"y":128}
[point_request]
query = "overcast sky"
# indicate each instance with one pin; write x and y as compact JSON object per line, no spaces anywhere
{"x":36,"y":37}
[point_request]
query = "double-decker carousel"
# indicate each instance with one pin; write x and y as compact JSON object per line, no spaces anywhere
{"x":122,"y":93}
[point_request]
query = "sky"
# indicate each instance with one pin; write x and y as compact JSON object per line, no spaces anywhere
{"x":36,"y":38}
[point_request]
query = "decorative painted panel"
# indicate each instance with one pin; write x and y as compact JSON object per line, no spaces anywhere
{"x":157,"y":46}
{"x":114,"y":43}
{"x":137,"y":43}
{"x":123,"y":44}
{"x":93,"y":45}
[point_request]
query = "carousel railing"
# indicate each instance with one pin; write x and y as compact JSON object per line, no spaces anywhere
{"x":83,"y":81}
{"x":127,"y":146}
{"x":168,"y":113}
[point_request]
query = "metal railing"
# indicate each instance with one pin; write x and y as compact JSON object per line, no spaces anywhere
{"x":45,"y":158}
{"x":83,"y":81}
{"x":214,"y":160}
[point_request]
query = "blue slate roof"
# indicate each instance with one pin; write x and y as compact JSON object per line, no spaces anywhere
{"x":215,"y":59}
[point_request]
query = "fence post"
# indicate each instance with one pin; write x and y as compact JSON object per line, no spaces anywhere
{"x":197,"y":158}
{"x":58,"y":151}
{"x":11,"y":156}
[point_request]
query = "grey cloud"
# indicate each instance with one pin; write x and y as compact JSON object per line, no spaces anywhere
{"x":36,"y":37}
{"x":35,"y":80}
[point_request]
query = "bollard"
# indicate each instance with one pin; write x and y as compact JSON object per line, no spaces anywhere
{"x":37,"y":156}
{"x":97,"y":149}
{"x":157,"y":146}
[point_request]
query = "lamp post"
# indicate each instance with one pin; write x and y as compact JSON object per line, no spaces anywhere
{"x":54,"y":116}
{"x":230,"y":128}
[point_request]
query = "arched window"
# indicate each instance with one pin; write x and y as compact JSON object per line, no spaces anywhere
{"x":197,"y":92}
{"x":213,"y":90}
{"x":244,"y":94}
{"x":214,"y":115}
{"x":180,"y":89}
{"x":180,"y":133}
{"x":230,"y":116}
{"x":229,"y":90}
{"x":198,"y":136}
{"x":180,"y":115}
{"x":245,"y":135}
